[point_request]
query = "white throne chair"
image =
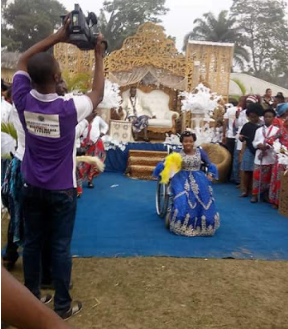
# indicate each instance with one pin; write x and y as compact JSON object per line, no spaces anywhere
{"x":156,"y":102}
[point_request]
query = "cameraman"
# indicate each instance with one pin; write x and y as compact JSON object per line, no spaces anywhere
{"x":48,"y":165}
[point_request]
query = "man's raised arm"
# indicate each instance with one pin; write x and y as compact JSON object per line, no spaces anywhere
{"x":97,"y":93}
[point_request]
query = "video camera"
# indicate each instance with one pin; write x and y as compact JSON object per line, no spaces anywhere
{"x":83,"y":30}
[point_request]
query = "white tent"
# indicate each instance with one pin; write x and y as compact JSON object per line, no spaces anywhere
{"x":253,"y":85}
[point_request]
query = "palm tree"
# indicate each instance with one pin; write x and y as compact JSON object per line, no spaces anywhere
{"x":241,"y":86}
{"x":9,"y":129}
{"x":80,"y":82}
{"x":220,"y":29}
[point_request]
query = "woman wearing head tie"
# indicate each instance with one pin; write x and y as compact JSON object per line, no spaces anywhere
{"x":193,"y":212}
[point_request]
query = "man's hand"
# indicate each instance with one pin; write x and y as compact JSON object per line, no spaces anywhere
{"x":132,"y":119}
{"x":260,"y":146}
{"x":62,"y":35}
{"x":97,"y":93}
{"x":263,"y":147}
{"x":224,"y":140}
{"x":154,"y":117}
{"x":241,"y":138}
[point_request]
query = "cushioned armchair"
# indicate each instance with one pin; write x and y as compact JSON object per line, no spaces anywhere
{"x":156,"y":103}
{"x":221,"y":158}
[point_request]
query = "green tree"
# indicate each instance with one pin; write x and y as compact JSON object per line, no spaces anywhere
{"x":4,"y":4}
{"x":265,"y":33}
{"x":120,"y":19}
{"x":29,"y":21}
{"x":81,"y":82}
{"x":219,"y":29}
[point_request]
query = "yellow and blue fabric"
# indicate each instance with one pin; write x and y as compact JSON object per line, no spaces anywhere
{"x":172,"y":166}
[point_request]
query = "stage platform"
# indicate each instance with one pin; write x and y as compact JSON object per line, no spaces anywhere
{"x":116,"y":160}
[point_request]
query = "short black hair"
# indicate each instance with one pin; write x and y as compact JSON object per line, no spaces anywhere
{"x":9,"y":93}
{"x":41,"y":68}
{"x":255,"y":108}
{"x":188,"y":134}
{"x":133,"y":87}
{"x":270,"y":111}
{"x":3,"y":86}
{"x":280,"y":97}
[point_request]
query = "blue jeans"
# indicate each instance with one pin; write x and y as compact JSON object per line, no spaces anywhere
{"x":49,"y":214}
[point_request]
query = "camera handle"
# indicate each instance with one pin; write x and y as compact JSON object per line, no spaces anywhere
{"x":91,"y":18}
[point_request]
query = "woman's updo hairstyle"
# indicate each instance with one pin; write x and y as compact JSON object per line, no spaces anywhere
{"x":188,"y":133}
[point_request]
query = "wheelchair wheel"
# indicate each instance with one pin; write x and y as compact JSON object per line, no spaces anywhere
{"x":162,"y":199}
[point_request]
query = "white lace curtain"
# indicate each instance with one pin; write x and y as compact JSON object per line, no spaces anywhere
{"x":148,"y":75}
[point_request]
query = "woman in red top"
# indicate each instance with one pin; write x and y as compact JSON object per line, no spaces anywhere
{"x":282,"y":136}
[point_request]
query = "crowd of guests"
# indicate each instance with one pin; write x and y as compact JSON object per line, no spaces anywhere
{"x":249,"y":131}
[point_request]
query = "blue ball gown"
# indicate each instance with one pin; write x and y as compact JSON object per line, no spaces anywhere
{"x":193,"y":211}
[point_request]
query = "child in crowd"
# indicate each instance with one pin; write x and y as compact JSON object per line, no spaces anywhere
{"x":247,"y":135}
{"x":264,"y":157}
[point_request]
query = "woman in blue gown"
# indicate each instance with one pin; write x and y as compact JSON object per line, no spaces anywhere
{"x":193,"y":211}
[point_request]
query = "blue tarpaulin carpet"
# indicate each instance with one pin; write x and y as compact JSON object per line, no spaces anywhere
{"x":118,"y":219}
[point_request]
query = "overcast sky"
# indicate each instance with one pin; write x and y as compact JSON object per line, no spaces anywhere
{"x":178,"y":21}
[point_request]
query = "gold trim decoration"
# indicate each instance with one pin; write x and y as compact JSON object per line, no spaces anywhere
{"x":72,"y":60}
{"x":209,"y":63}
{"x":148,"y":47}
{"x":214,"y":61}
{"x":179,"y":228}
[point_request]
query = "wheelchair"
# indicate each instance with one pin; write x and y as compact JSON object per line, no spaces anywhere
{"x":164,"y":197}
